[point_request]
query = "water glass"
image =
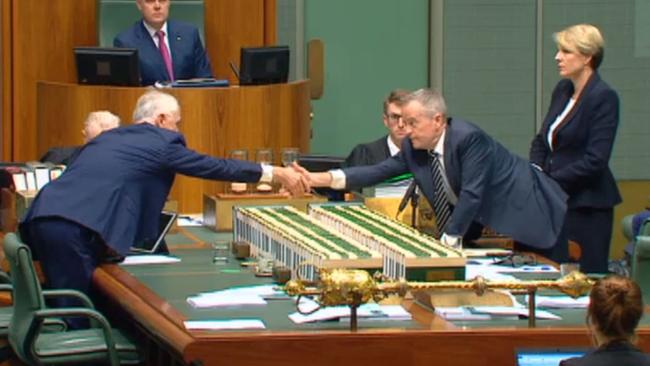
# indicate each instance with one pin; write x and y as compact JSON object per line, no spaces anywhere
{"x":238,"y":187}
{"x":289,"y":155}
{"x":221,"y":252}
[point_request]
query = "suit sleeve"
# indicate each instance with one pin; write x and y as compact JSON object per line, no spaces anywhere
{"x":202,"y":66}
{"x":188,"y":162}
{"x":603,"y":116}
{"x":364,"y":176}
{"x":476,"y":159}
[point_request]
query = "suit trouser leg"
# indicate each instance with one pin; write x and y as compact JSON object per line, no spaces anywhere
{"x":592,"y":229}
{"x":558,"y":253}
{"x":68,"y":253}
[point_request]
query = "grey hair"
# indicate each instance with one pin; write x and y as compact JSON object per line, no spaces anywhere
{"x":431,"y":100}
{"x":104,"y":119}
{"x":153,"y":103}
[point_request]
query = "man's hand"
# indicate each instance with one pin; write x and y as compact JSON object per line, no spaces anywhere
{"x":323,"y":179}
{"x":296,"y":183}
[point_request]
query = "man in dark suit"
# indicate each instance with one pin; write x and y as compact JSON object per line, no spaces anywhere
{"x":379,"y":150}
{"x":96,"y":123}
{"x":111,"y":196}
{"x":482,"y":180}
{"x":180,"y":41}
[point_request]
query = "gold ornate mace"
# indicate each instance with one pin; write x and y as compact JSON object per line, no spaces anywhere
{"x":355,"y":287}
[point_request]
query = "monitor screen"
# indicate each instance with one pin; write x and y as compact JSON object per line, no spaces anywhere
{"x":320,"y":163}
{"x":264,"y":65}
{"x":546,"y":356}
{"x":107,"y":66}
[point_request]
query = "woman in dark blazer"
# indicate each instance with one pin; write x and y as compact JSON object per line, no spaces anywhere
{"x":615,"y":308}
{"x":575,"y":143}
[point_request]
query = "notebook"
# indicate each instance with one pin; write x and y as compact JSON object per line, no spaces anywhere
{"x":546,"y":356}
{"x":158,"y":245}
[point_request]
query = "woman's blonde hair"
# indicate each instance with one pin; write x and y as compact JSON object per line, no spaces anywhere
{"x":583,"y":38}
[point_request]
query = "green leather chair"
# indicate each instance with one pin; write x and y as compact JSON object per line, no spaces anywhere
{"x":36,"y":345}
{"x":641,"y":264}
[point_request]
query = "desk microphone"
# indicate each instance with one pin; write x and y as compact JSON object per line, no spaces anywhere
{"x":234,"y":69}
{"x":408,"y":195}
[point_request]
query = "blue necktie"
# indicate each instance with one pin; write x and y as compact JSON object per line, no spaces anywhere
{"x":440,"y":204}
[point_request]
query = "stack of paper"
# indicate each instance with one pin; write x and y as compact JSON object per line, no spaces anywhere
{"x":224,"y":324}
{"x":247,"y":295}
{"x":366,"y":311}
{"x":561,"y":302}
{"x":491,"y":312}
{"x":149,"y":259}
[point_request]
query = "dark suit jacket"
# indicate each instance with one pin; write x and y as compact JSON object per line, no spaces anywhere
{"x":369,"y":153}
{"x":582,"y":145}
{"x":60,"y":155}
{"x":618,"y":354}
{"x":494,"y":187}
{"x":189,"y":59}
{"x":120,"y":180}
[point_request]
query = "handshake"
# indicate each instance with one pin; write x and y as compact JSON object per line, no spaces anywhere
{"x":298,"y":181}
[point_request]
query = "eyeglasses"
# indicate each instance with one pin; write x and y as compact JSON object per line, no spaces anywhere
{"x":393,"y":117}
{"x":517,"y":260}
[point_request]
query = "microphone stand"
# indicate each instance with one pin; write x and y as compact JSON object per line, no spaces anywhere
{"x":415,"y":199}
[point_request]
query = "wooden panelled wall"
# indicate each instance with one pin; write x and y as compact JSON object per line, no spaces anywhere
{"x":38,"y":37}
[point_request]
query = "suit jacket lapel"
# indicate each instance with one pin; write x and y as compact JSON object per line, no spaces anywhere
{"x":151,"y":48}
{"x":174,"y":42}
{"x":567,"y":119}
{"x":451,"y":169}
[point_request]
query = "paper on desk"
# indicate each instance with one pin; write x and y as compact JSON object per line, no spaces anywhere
{"x":149,"y":259}
{"x":190,"y":220}
{"x":512,"y":311}
{"x":374,"y":311}
{"x":244,"y":295}
{"x":224,"y":324}
{"x":561,"y":302}
{"x":459,"y":313}
{"x":486,"y":252}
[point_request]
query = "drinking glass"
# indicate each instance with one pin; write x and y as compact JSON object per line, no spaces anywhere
{"x":239,"y":187}
{"x":264,"y":156}
{"x":289,"y":155}
{"x":221,"y":252}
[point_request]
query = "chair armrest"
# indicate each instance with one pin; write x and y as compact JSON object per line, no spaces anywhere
{"x":44,"y":314}
{"x":69,"y":293}
{"x":4,"y":277}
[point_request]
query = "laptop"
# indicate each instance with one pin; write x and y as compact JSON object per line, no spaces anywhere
{"x":551,"y":356}
{"x":156,"y":245}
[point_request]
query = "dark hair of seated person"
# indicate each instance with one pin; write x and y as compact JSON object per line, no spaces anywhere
{"x":615,"y":308}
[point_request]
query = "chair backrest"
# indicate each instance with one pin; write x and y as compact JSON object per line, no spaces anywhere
{"x":641,"y":265}
{"x":27,"y":295}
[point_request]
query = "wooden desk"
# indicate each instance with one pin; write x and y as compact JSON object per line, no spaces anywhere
{"x":214,"y":121}
{"x":428,"y":340}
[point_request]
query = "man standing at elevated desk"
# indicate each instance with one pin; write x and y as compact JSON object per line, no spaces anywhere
{"x":467,"y":176}
{"x":111,"y":196}
{"x":168,"y":50}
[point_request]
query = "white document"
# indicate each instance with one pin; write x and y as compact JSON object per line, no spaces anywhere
{"x":20,"y":182}
{"x":366,"y":311}
{"x":486,"y":252}
{"x":459,"y":313}
{"x":244,"y":295}
{"x":561,"y":302}
{"x":214,"y":300}
{"x":42,"y":177}
{"x":31,"y":180}
{"x":190,"y":220}
{"x":149,"y":259}
{"x":512,"y":311}
{"x":224,"y":324}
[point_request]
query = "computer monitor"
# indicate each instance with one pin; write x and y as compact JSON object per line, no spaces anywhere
{"x":107,"y":66}
{"x":264,"y":65}
{"x":550,"y":356}
{"x":320,"y":163}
